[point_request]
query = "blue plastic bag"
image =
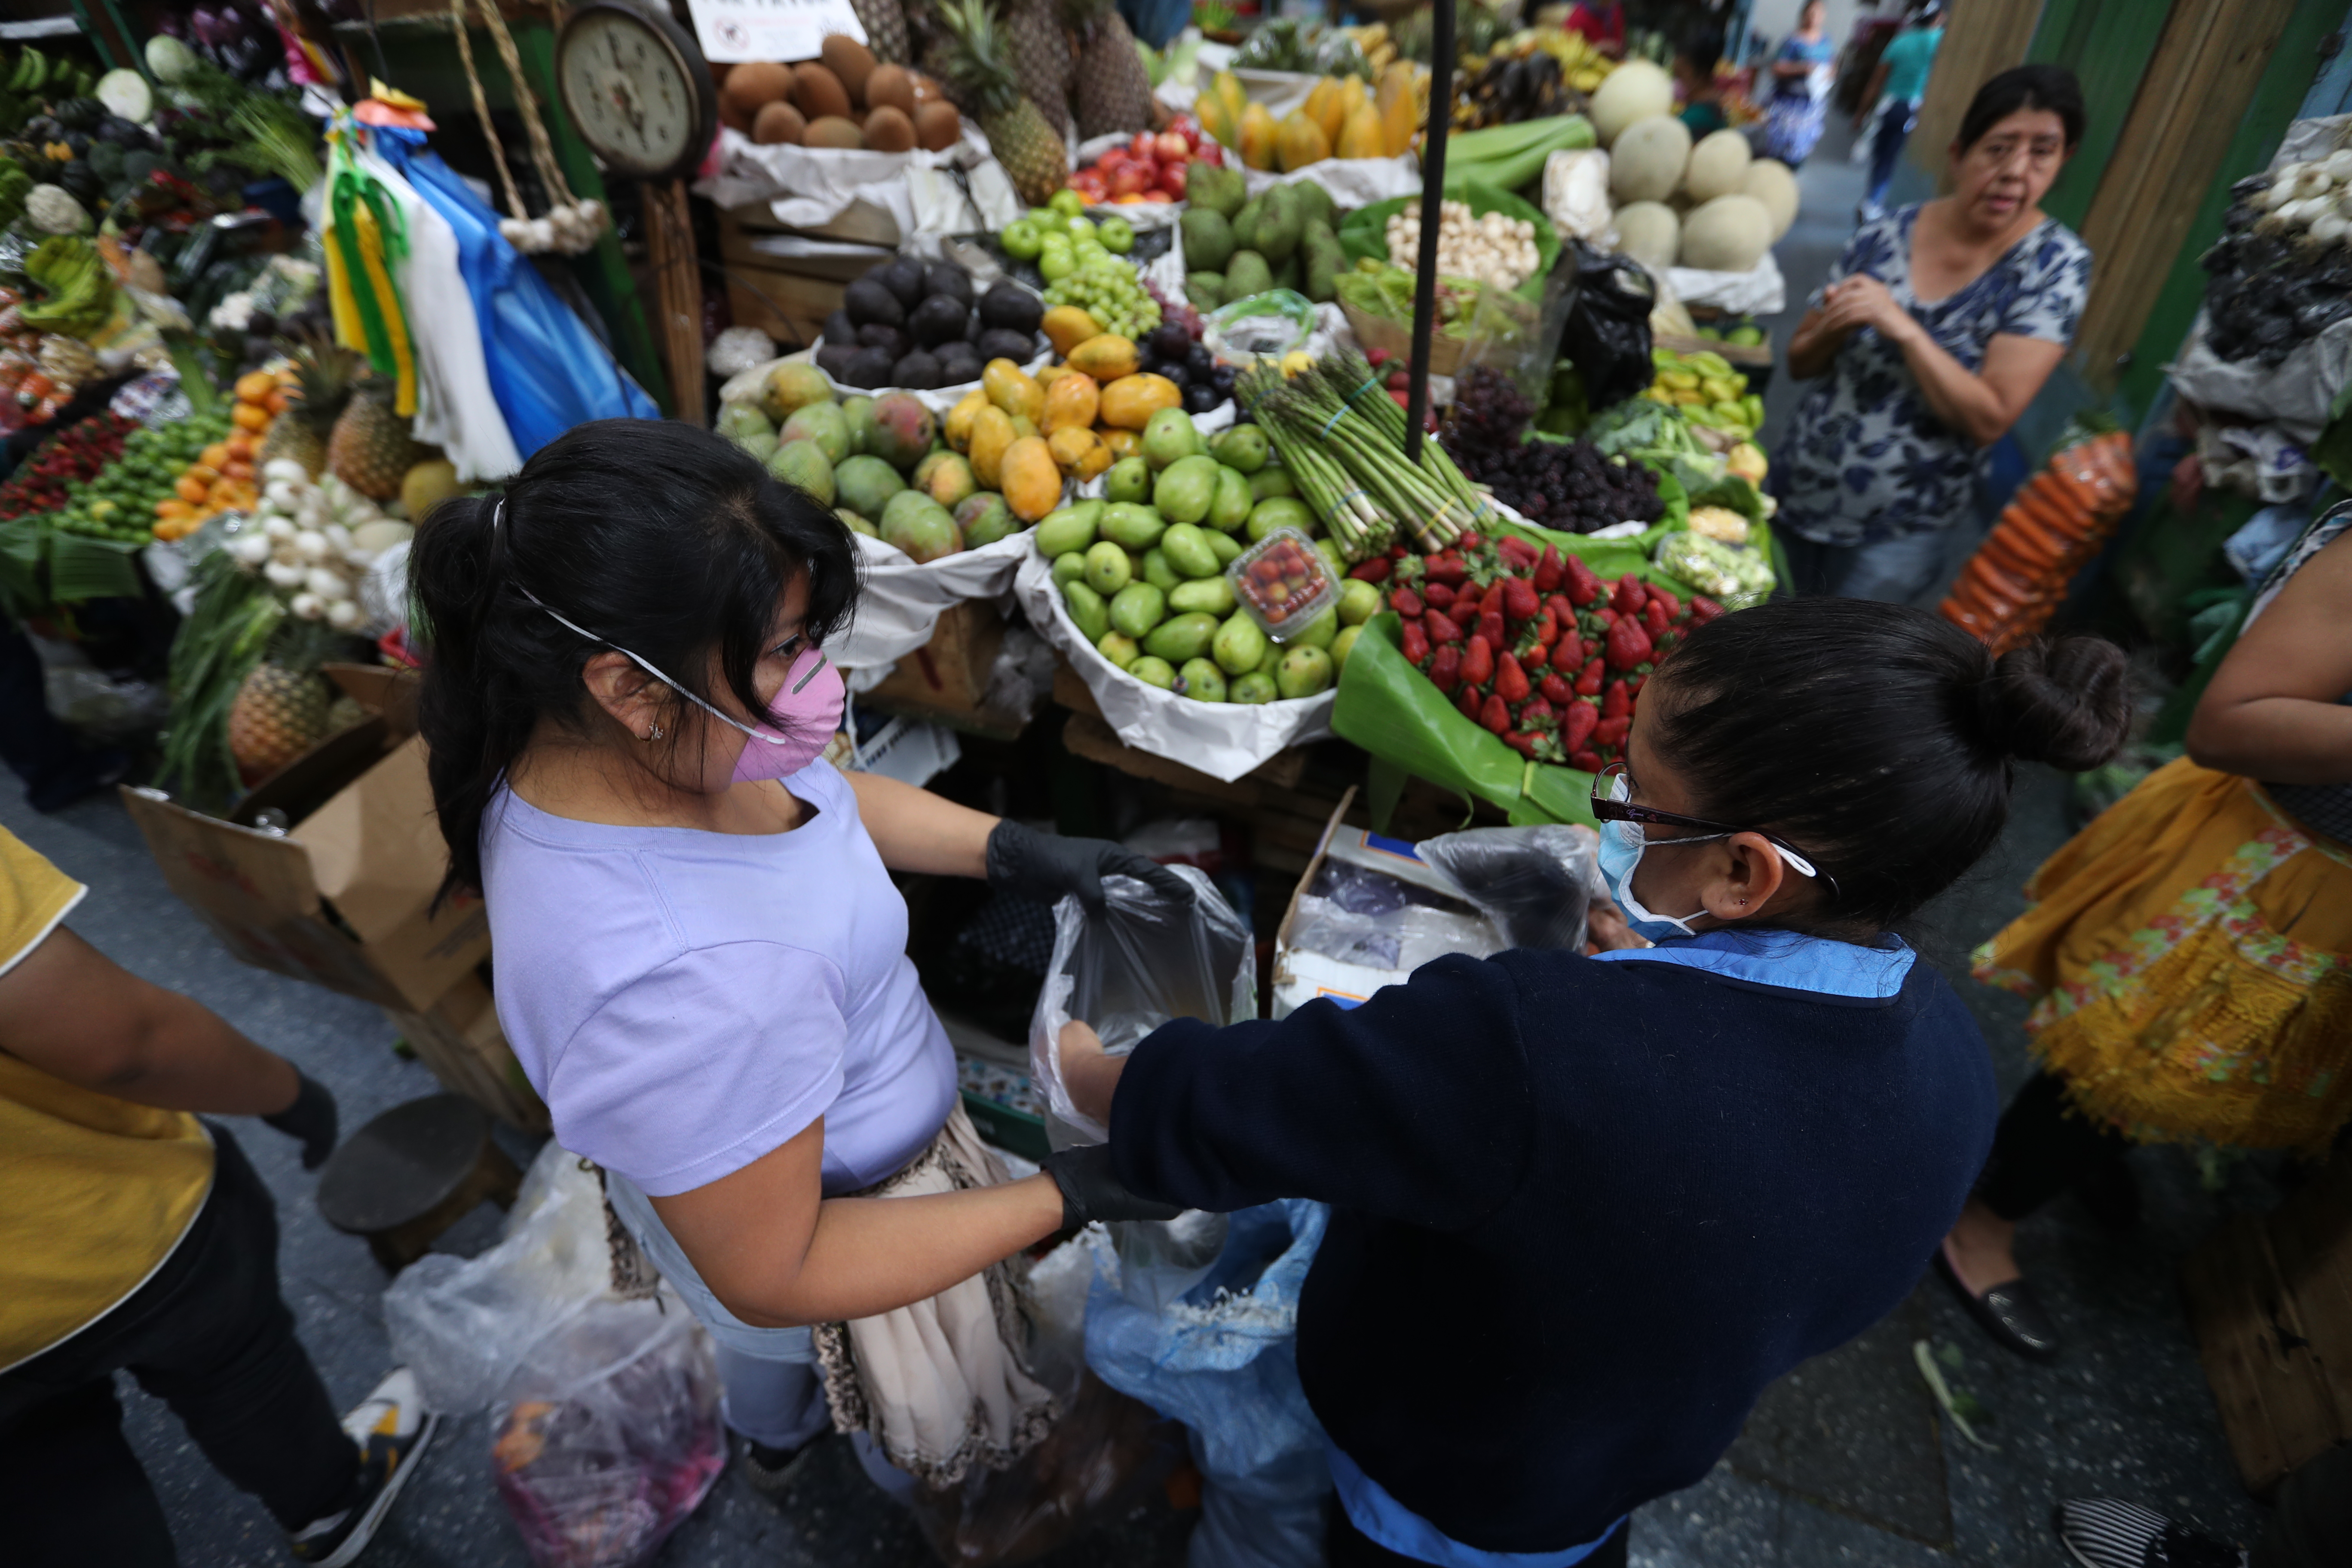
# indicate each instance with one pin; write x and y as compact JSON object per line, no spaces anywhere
{"x":1222,"y":1358}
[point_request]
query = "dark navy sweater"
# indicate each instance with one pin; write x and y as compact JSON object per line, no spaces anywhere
{"x":1583,"y":1212}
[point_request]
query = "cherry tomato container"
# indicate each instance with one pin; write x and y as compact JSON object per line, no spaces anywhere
{"x":1282,"y":582}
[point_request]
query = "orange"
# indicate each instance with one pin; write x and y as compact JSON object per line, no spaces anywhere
{"x":216,"y":456}
{"x":254,"y":385}
{"x":277,"y":400}
{"x":239,"y":446}
{"x":191,"y":490}
{"x":250,"y":416}
{"x":237,"y":468}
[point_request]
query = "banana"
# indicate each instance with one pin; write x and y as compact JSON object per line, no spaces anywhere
{"x":38,"y":64}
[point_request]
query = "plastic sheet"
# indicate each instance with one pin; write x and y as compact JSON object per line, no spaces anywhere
{"x":1533,"y":883}
{"x":1145,"y":961}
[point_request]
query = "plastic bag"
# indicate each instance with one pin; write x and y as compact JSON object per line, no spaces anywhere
{"x":1222,"y":1358}
{"x":1533,"y":883}
{"x":608,"y":1433}
{"x":1608,"y":334}
{"x":1146,"y":961}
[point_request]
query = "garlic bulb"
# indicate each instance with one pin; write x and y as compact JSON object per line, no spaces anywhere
{"x":325,"y":584}
{"x":2329,"y":228}
{"x":310,"y":544}
{"x":307,"y":607}
{"x":344,"y":615}
{"x":281,"y":575}
{"x":278,"y":528}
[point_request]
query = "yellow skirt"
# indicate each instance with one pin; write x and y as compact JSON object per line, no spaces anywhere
{"x":2191,"y":950}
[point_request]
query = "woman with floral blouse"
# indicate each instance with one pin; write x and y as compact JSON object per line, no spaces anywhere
{"x":1938,"y":325}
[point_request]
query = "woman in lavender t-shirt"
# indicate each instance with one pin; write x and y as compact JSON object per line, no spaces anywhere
{"x":699,"y":955}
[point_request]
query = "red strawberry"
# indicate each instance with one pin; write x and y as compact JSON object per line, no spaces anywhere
{"x":1674,"y":605}
{"x":1557,"y":690}
{"x":1612,"y":731}
{"x":1568,"y":654}
{"x":1630,"y":595}
{"x":1616,"y":702}
{"x":1552,"y":570}
{"x":1628,"y":644}
{"x":1404,"y":601}
{"x":1468,"y":699}
{"x":1448,"y":568}
{"x":1471,"y":539}
{"x":1490,"y":624}
{"x":1522,"y":743}
{"x":1704,"y":609}
{"x":1494,"y":714}
{"x":1606,"y":617}
{"x":1465,"y":606}
{"x":1518,"y":552}
{"x":1546,"y":630}
{"x":1520,"y":600}
{"x":1478,"y":661}
{"x":1535,"y":713}
{"x":1562,"y":611}
{"x":1589,"y":683}
{"x":1446,"y":669}
{"x":1415,"y":643}
{"x":1589,"y":760}
{"x":1440,"y":628}
{"x":1376,"y":570}
{"x":1654,"y":618}
{"x":1576,"y":722}
{"x":1397,"y":552}
{"x":1584,"y":587}
{"x":1510,"y":680}
{"x":1437,"y":595}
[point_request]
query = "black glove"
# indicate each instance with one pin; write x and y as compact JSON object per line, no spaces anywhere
{"x":1091,"y":1190}
{"x":310,"y":1119}
{"x":1043,"y":866}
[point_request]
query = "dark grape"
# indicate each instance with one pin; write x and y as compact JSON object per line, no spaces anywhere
{"x":1565,"y":485}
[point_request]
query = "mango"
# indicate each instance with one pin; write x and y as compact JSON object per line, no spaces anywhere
{"x":1013,"y":389}
{"x":1201,"y":680}
{"x":1298,"y":143}
{"x":1137,"y":608}
{"x":1187,"y":549}
{"x":1086,"y":609}
{"x":1024,"y":426}
{"x":1183,"y":636}
{"x":1184,"y":489}
{"x":1080,"y":451}
{"x":924,"y":531}
{"x":1324,"y":107}
{"x":1135,"y":527}
{"x":1267,"y":483}
{"x":1231,"y":93}
{"x":1319,"y":631}
{"x":1153,"y":671}
{"x":804,"y":463}
{"x":761,"y":443}
{"x":1398,"y":102}
{"x":738,"y":420}
{"x":1108,"y":569}
{"x":1239,"y":645}
{"x":991,"y":436}
{"x":1359,"y":602}
{"x":985,"y":519}
{"x":791,"y":387}
{"x":1068,"y":568}
{"x":1129,"y":479}
{"x":1279,"y":511}
{"x":1030,"y":479}
{"x":1122,"y":443}
{"x":902,"y":429}
{"x":1168,"y":435}
{"x":1361,"y":135}
{"x":1258,"y":131}
{"x":865,"y":485}
{"x":1070,"y":529}
{"x":1231,"y":506}
{"x":1106,"y":356}
{"x":1303,"y":672}
{"x":1072,"y":401}
{"x":1157,"y":572}
{"x":822,"y":423}
{"x":1225,"y":547}
{"x":947,"y":477}
{"x":1242,"y":448}
{"x":959,"y":418}
{"x":1066,"y":326}
{"x":1252,"y":688}
{"x":1342,"y":645}
{"x":1213,"y":595}
{"x":1117,"y":647}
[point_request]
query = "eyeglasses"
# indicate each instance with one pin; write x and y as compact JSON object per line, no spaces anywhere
{"x":1613,"y":801}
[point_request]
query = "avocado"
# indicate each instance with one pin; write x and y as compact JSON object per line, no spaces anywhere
{"x":871,"y":303}
{"x":903,"y":276}
{"x":1208,"y":239}
{"x":938,"y":320}
{"x":867,"y":367}
{"x":1012,"y":308}
{"x":999,"y":343}
{"x":917,"y":370}
{"x":840,"y":328}
{"x":1206,"y":290}
{"x":947,"y":278}
{"x":1246,"y":274}
{"x":1279,"y":224}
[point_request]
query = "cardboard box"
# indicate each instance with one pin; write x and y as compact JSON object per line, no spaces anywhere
{"x":341,"y":896}
{"x":459,"y":1036}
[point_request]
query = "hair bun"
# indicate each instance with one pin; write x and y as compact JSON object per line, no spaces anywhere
{"x":2066,"y":701}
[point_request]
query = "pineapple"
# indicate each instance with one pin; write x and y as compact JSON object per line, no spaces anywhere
{"x":1041,"y":58}
{"x":1114,"y":85}
{"x":1024,"y":141}
{"x":371,"y":449}
{"x":322,"y":385}
{"x":279,"y":713}
{"x":884,"y":21}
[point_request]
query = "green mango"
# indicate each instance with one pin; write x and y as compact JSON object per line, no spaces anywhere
{"x":1319,"y":631}
{"x":1306,"y":671}
{"x":1158,"y":571}
{"x":1329,"y":550}
{"x":1244,"y":446}
{"x":738,"y":420}
{"x":1137,"y":608}
{"x":1136,"y":527}
{"x":1204,"y":681}
{"x":1170,"y":435}
{"x":1117,"y":647}
{"x":985,"y":519}
{"x":1279,"y":511}
{"x":1153,"y":671}
{"x":1214,"y":594}
{"x":1086,"y":609}
{"x":1187,"y":549}
{"x":1231,"y":506}
{"x":1185,"y":488}
{"x":1268,"y":482}
{"x":1107,"y":569}
{"x":1225,"y":547}
{"x":1180,"y":637}
{"x":1128,"y":480}
{"x":1068,"y":529}
{"x":761,"y":443}
{"x":1252,"y":688}
{"x":1359,"y":602}
{"x":1239,"y":645}
{"x":1271,"y":661}
{"x":1342,"y":645}
{"x":1070,"y":566}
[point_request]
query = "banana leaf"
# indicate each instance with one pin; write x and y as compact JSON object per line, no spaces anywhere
{"x":20,"y":567}
{"x":82,"y":568}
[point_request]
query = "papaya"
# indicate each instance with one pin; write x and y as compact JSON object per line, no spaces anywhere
{"x":1400,"y":108}
{"x":1106,"y":357}
{"x":1129,"y":401}
{"x":959,"y":418}
{"x":1258,"y":133}
{"x":1323,"y":107}
{"x":1231,"y":94}
{"x":1354,"y":95}
{"x":1032,"y":480}
{"x":1066,"y":326}
{"x":1298,"y":143}
{"x":1013,"y":389}
{"x":1073,"y":400}
{"x":1361,"y":136}
{"x":1217,"y":122}
{"x":992,"y":434}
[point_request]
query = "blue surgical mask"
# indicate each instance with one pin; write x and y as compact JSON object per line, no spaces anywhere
{"x":1622,"y":845}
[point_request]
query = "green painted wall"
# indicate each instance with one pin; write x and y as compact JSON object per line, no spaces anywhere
{"x":2107,"y":44}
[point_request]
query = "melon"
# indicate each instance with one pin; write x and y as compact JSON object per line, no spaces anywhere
{"x":1646,"y":164}
{"x":1649,"y":233}
{"x":1769,"y":182}
{"x":1730,"y":233}
{"x":1716,"y":164}
{"x":1634,"y":91}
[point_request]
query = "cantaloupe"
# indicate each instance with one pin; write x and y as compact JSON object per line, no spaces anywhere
{"x":1716,"y":165}
{"x":1730,"y":233}
{"x":1769,"y":182}
{"x":1647,"y":162}
{"x":1634,"y":91}
{"x":1649,"y":233}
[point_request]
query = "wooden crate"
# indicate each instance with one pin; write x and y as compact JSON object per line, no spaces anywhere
{"x":459,"y":1038}
{"x":2269,"y":1296}
{"x":946,"y":680}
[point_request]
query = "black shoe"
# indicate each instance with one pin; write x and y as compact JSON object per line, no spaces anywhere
{"x":2011,"y":1313}
{"x":2111,"y":1194}
{"x":391,"y":1428}
{"x":2108,"y":1532}
{"x":772,"y":1471}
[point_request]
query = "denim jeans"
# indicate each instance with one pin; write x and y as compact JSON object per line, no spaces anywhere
{"x":1895,"y":123}
{"x":1895,"y":571}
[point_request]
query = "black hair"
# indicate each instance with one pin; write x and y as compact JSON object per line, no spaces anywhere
{"x":1702,"y":44}
{"x":1878,"y":739}
{"x":654,"y":536}
{"x":2050,"y":88}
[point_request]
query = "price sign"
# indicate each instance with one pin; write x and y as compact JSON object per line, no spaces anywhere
{"x":733,"y":30}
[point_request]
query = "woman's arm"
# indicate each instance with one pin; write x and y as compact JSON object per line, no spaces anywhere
{"x":919,"y":831}
{"x":2273,"y":709}
{"x":1813,"y":347}
{"x":778,"y":1253}
{"x":1980,"y":404}
{"x":1870,"y":95}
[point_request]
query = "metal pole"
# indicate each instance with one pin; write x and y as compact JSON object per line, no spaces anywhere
{"x":1433,"y":191}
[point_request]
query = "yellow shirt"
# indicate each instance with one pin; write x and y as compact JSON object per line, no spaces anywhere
{"x":95,"y":1191}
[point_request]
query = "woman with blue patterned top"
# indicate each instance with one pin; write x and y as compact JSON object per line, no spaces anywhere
{"x":1938,"y":325}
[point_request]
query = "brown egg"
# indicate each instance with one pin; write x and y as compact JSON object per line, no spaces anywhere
{"x":889,"y":131}
{"x":779,"y":122}
{"x":834,"y":130}
{"x":850,"y":60}
{"x":936,"y":126}
{"x":819,"y":93}
{"x":753,"y":85}
{"x":890,"y":85}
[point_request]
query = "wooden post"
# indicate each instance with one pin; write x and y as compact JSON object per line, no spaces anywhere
{"x":1433,"y":196}
{"x":677,"y":291}
{"x":1983,"y":39}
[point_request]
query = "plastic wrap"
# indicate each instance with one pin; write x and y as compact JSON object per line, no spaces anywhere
{"x":1533,"y":883}
{"x":1145,"y":961}
{"x":1608,"y":333}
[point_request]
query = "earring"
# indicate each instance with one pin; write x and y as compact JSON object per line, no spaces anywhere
{"x":653,"y":732}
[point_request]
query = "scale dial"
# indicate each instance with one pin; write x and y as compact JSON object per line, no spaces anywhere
{"x":637,"y":88}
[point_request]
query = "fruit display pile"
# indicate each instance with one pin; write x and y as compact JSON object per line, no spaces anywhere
{"x":904,"y":325}
{"x":1342,"y":117}
{"x":1157,"y":576}
{"x":314,"y":542}
{"x":119,"y":503}
{"x":1531,"y":646}
{"x":1107,"y":289}
{"x":1058,"y":238}
{"x":1154,"y":166}
{"x":71,"y":457}
{"x":223,"y":475}
{"x":1566,"y":485}
{"x":1236,"y":246}
{"x":843,"y":99}
{"x":1176,"y":355}
{"x":1710,"y":393}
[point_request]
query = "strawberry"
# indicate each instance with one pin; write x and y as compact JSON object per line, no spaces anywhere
{"x":1674,"y":605}
{"x":1437,"y":595}
{"x":1415,"y":643}
{"x":1612,"y":731}
{"x":1628,"y":644}
{"x":1606,"y":617}
{"x":1522,"y":743}
{"x":1557,"y":690}
{"x":1510,"y":680}
{"x":1445,"y":669}
{"x":1703,"y":609}
{"x":1568,"y":654}
{"x":1588,"y":760}
{"x":1464,"y":607}
{"x":1448,"y":568}
{"x":1589,"y":683}
{"x":1440,"y":628}
{"x":1518,"y":552}
{"x":1490,"y":624}
{"x":1630,"y":596}
{"x":1546,"y":630}
{"x":1654,"y":618}
{"x":1493,"y":714}
{"x":1376,"y":570}
{"x":1478,"y":661}
{"x":1467,"y":700}
{"x":1561,"y":610}
{"x":1584,"y":587}
{"x":1550,"y":571}
{"x":1535,"y":713}
{"x":1470,"y":540}
{"x":1404,"y":602}
{"x":1616,"y":702}
{"x":1520,"y":600}
{"x":1397,"y":552}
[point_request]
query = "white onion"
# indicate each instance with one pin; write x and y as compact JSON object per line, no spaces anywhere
{"x":281,"y":575}
{"x":307,"y":607}
{"x":283,"y":492}
{"x":311,"y":545}
{"x":278,"y":528}
{"x":287,"y":471}
{"x":344,"y":615}
{"x":325,"y":584}
{"x":2329,"y":227}
{"x":253,"y":548}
